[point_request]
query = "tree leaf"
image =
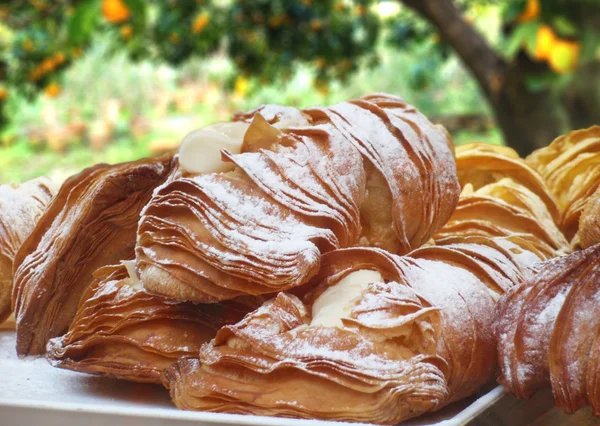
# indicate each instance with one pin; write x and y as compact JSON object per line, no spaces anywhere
{"x":82,"y":22}
{"x":523,"y":36}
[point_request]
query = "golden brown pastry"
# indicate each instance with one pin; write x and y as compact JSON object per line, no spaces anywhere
{"x":588,"y":233}
{"x":380,"y":338}
{"x":574,"y":353}
{"x":502,"y":196}
{"x":505,"y":209}
{"x":121,"y":331}
{"x":570,"y":166}
{"x":372,"y":171}
{"x":548,"y":332}
{"x":20,"y":208}
{"x":481,"y":164}
{"x":90,"y":223}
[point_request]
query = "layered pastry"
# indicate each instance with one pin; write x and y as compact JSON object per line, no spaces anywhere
{"x":90,"y":223}
{"x":503,"y":197}
{"x":20,"y":208}
{"x":294,"y":184}
{"x":371,"y":321}
{"x":379,"y":337}
{"x":380,"y":277}
{"x":121,"y":331}
{"x":588,"y":233}
{"x":549,"y":332}
{"x":548,"y":328}
{"x":570,"y":166}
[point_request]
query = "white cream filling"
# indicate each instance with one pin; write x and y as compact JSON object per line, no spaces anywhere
{"x":200,"y":151}
{"x":134,"y":281}
{"x":338,"y":300}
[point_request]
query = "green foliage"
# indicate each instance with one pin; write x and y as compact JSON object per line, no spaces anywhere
{"x":89,"y":86}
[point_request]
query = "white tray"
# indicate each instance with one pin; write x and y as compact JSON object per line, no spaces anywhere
{"x":32,"y":392}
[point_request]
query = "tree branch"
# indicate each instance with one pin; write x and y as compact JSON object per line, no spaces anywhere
{"x":486,"y":66}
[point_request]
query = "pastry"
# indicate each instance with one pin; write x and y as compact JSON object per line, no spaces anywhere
{"x":294,"y":184}
{"x":570,"y":165}
{"x":20,"y":208}
{"x":503,"y":197}
{"x":588,"y":232}
{"x":549,"y":332}
{"x":90,"y":223}
{"x":481,"y":164}
{"x":119,"y":330}
{"x":379,"y":337}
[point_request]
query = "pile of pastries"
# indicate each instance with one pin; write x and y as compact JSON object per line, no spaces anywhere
{"x":340,"y":263}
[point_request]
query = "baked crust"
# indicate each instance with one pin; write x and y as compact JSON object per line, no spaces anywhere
{"x":20,"y":208}
{"x":296,"y":193}
{"x":121,"y":331}
{"x":91,"y":223}
{"x":570,"y":165}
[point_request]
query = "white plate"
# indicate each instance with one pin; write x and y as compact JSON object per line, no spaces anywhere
{"x":34,"y":393}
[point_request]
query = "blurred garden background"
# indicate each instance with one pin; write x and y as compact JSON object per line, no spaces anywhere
{"x":89,"y":81}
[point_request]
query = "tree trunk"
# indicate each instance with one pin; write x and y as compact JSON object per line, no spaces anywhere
{"x":527,"y":120}
{"x":582,"y":97}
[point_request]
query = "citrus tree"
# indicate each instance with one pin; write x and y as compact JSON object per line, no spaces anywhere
{"x":540,"y":77}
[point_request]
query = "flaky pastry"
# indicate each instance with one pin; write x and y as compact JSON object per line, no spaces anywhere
{"x":481,"y":164}
{"x":90,"y":223}
{"x":505,"y":209}
{"x":121,"y":331}
{"x":379,"y":338}
{"x":549,"y":332}
{"x":372,"y":171}
{"x":588,"y":232}
{"x":570,"y":165}
{"x":20,"y":208}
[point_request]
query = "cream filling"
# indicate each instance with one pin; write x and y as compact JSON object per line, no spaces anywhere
{"x":200,"y":151}
{"x":338,"y":300}
{"x":134,"y":281}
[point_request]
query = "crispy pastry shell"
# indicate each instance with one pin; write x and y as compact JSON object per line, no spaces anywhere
{"x":20,"y":208}
{"x":121,"y":331}
{"x":295,"y":194}
{"x":90,"y":223}
{"x":434,"y":305}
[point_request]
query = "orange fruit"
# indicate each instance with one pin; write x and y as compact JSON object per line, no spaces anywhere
{"x":3,"y":94}
{"x":545,"y":39}
{"x":115,"y":11}
{"x":52,"y":90}
{"x":200,"y":23}
{"x":531,"y":12}
{"x":564,"y":56}
{"x":241,"y":86}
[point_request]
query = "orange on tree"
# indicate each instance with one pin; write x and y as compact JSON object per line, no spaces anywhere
{"x":564,"y":56}
{"x":52,"y":90}
{"x":241,"y":86}
{"x":200,"y":23}
{"x":545,"y":39}
{"x":531,"y":12}
{"x":59,"y":58}
{"x":115,"y":11}
{"x":3,"y":93}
